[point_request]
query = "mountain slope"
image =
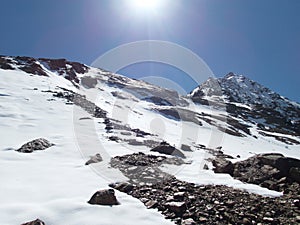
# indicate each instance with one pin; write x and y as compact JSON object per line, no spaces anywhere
{"x":86,"y":111}
{"x":252,"y":102}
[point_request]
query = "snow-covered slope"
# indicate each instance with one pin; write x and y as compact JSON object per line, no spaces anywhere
{"x":84,"y":111}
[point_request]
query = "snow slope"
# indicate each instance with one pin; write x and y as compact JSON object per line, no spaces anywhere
{"x":55,"y":185}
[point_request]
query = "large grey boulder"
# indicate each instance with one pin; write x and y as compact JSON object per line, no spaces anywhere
{"x":35,"y":145}
{"x":94,"y":159}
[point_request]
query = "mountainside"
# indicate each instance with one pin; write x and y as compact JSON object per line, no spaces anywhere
{"x":252,"y":102}
{"x":70,"y":131}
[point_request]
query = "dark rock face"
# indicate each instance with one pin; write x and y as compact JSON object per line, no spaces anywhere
{"x":94,"y":159}
{"x":187,"y":203}
{"x":165,"y":148}
{"x":66,"y":68}
{"x":273,"y":171}
{"x":35,"y":145}
{"x":104,"y":197}
{"x":35,"y":222}
{"x":36,"y":66}
{"x":223,"y":166}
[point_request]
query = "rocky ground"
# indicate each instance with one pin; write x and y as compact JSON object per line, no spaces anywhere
{"x":188,"y":203}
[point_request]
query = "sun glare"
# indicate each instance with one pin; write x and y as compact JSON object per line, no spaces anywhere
{"x":146,"y":5}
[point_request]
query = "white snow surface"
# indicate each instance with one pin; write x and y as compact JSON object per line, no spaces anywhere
{"x":55,"y":185}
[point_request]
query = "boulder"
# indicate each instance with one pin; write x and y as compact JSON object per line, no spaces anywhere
{"x":186,"y":148}
{"x":35,"y":145}
{"x":176,"y":207}
{"x":35,"y":222}
{"x":223,"y":166}
{"x":104,"y":197}
{"x":294,"y":173}
{"x":94,"y":159}
{"x":167,"y":149}
{"x":123,"y":186}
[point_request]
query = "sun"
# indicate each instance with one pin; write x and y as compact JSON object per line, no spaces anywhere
{"x":146,"y":5}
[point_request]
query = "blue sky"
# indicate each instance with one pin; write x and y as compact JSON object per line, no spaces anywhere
{"x":260,"y":39}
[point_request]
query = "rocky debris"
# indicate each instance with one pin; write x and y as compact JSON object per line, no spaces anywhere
{"x":94,"y":159}
{"x":104,"y":197}
{"x":35,"y":222}
{"x":81,"y":101}
{"x":187,"y":203}
{"x":35,"y":145}
{"x":272,"y":170}
{"x":140,"y":168}
{"x":167,"y":149}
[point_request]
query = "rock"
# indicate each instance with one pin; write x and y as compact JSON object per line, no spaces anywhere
{"x":189,"y":221}
{"x":269,"y":158}
{"x":176,"y":207}
{"x":123,"y":186}
{"x":94,"y":159}
{"x":35,"y":222}
{"x":165,"y":148}
{"x":294,"y":173}
{"x":104,"y":197}
{"x":35,"y":145}
{"x":246,"y":221}
{"x":205,"y":167}
{"x":186,"y":148}
{"x":151,"y":204}
{"x":223,"y":166}
{"x":284,"y":164}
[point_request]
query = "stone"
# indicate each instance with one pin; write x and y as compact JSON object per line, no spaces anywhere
{"x":94,"y":159}
{"x":223,"y":166}
{"x":186,"y":148}
{"x":165,"y":148}
{"x":176,"y":207}
{"x":188,"y":221}
{"x":35,"y":222}
{"x":35,"y":145}
{"x":205,"y":167}
{"x":151,"y":204}
{"x":123,"y":186}
{"x":294,"y":173}
{"x":104,"y":197}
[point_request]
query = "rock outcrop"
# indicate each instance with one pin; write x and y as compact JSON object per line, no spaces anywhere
{"x":167,"y":149}
{"x":104,"y":197}
{"x":35,"y":145}
{"x":272,"y":170}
